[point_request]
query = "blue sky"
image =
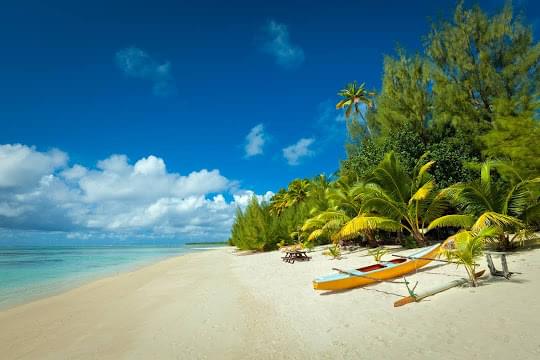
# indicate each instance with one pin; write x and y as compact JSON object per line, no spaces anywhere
{"x":244,"y":89}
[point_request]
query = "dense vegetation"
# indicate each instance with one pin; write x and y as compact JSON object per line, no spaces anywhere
{"x":451,"y":141}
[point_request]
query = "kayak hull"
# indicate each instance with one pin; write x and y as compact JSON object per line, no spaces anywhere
{"x":373,"y":273}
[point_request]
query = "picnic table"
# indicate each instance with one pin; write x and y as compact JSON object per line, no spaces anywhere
{"x":295,"y":255}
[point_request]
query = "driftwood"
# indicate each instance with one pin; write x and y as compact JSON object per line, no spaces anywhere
{"x":435,"y":290}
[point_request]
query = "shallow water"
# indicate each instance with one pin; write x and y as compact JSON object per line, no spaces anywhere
{"x":28,"y":273}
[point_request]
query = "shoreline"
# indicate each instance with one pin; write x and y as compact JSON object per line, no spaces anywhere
{"x":61,"y":285}
{"x":213,"y":304}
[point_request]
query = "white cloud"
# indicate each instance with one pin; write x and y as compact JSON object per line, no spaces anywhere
{"x":21,"y":166}
{"x":279,"y":45}
{"x":294,"y":153}
{"x":136,"y":63}
{"x":243,"y":198}
{"x":116,"y":197}
{"x":255,"y":141}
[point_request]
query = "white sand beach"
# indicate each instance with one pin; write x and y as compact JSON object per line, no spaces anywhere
{"x":217,"y":305}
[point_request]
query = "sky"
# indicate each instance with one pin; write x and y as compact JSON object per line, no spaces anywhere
{"x":154,"y":121}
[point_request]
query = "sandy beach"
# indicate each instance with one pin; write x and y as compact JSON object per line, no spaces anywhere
{"x":218,"y":305}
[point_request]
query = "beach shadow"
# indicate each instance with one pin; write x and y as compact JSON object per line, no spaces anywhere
{"x":492,"y":280}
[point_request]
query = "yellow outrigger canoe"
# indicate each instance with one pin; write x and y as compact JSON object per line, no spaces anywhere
{"x":381,"y":271}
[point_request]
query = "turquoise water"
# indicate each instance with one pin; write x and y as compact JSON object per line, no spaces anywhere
{"x":29,"y":273}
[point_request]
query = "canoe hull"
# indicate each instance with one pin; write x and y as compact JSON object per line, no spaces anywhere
{"x":338,"y":282}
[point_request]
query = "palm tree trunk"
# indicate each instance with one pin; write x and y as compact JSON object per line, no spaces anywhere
{"x":365,"y":121}
{"x":418,"y":237}
{"x":504,"y":242}
{"x":472,"y":276}
{"x":372,"y":242}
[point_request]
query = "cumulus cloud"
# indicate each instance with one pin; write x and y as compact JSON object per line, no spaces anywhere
{"x":255,"y":141}
{"x":243,"y":198}
{"x":294,"y":153}
{"x":136,"y":63}
{"x":278,"y":44}
{"x":21,"y":166}
{"x":40,"y":191}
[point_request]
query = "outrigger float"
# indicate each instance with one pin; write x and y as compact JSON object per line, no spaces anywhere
{"x":380,"y":272}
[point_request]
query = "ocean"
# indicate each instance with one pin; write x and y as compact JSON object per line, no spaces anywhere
{"x":29,"y":273}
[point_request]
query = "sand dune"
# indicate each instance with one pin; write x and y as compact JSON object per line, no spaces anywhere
{"x":215,"y":305}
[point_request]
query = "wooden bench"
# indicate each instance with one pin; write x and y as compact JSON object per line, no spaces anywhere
{"x":292,"y":256}
{"x":504,"y":273}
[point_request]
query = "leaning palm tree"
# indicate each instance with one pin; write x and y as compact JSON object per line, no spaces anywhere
{"x":278,"y":202}
{"x":352,"y":96}
{"x":394,"y":200}
{"x":508,"y":206}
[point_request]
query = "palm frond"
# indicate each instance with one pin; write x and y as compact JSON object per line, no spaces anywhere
{"x":491,"y":218}
{"x":423,"y":192}
{"x":454,"y":220}
{"x":363,"y":223}
{"x":315,"y":234}
{"x":424,"y":169}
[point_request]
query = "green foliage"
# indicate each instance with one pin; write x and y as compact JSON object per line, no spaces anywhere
{"x":467,"y":247}
{"x":404,"y":142}
{"x":392,"y":199}
{"x":334,"y":251}
{"x":256,"y":228}
{"x":450,"y":156}
{"x":501,"y":203}
{"x":378,"y":253}
{"x":478,"y":59}
{"x":515,"y":138}
{"x":409,"y":242}
{"x":405,"y":99}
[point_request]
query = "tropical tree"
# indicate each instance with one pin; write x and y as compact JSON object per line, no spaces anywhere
{"x":392,"y":200}
{"x":352,"y":96}
{"x":326,"y":221}
{"x":405,"y":98}
{"x":297,"y":192}
{"x":478,"y":60}
{"x":466,"y":247}
{"x":509,"y":205}
{"x":278,"y":202}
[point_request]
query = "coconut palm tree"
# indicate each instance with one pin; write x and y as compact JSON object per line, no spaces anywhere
{"x":278,"y":202}
{"x":297,"y":192}
{"x":508,"y":206}
{"x":353,"y":95}
{"x":345,"y":205}
{"x":392,"y":199}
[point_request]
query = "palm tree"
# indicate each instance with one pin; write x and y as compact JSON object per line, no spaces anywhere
{"x":392,"y":200}
{"x":352,"y":96}
{"x":318,"y":189}
{"x":467,"y":247}
{"x":508,"y":206}
{"x":297,"y":192}
{"x":278,"y":203}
